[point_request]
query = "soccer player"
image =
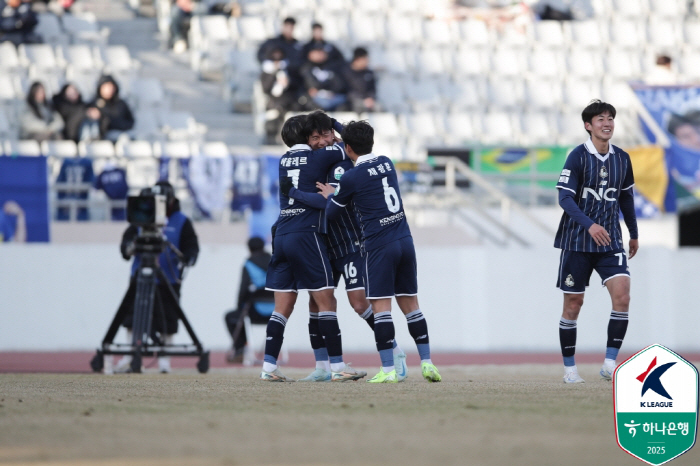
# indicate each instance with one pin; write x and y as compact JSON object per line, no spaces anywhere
{"x":343,"y":239}
{"x":300,"y":258}
{"x":594,"y":186}
{"x":388,"y":251}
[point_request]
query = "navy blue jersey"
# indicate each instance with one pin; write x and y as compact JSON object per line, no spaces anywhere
{"x":113,"y":182}
{"x":597,"y":182}
{"x":343,"y":231}
{"x":306,"y":168}
{"x":373,"y":188}
{"x":247,"y":184}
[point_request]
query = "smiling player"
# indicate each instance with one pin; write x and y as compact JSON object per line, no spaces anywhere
{"x":594,"y":186}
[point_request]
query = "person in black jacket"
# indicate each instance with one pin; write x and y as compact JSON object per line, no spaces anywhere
{"x":17,"y":22}
{"x":179,"y":231}
{"x":323,"y":79}
{"x":362,"y":82}
{"x":317,"y":41}
{"x":114,"y":114}
{"x":78,"y":126}
{"x":253,"y":300}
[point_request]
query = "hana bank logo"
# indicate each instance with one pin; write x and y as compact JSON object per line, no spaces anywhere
{"x":651,"y":379}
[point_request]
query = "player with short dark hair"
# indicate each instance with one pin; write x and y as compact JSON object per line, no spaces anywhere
{"x":300,"y":257}
{"x":343,"y":237}
{"x":594,"y":186}
{"x":387,"y":247}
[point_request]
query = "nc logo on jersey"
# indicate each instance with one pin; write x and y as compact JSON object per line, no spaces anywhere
{"x":603,"y":172}
{"x":655,"y":396}
{"x":569,"y":281}
{"x":338,"y":172}
{"x":600,"y":195}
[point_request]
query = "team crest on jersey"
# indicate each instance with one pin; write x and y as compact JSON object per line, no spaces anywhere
{"x":569,"y":281}
{"x":603,"y":172}
{"x":337,"y":190}
{"x":338,"y":173}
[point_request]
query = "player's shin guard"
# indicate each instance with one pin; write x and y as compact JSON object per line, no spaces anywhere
{"x":617,"y":327}
{"x":273,"y":344}
{"x":369,"y":317}
{"x":328,"y":324}
{"x":567,"y":340}
{"x":384,"y":334}
{"x":418,"y":328}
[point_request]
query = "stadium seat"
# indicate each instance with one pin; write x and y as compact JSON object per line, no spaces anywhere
{"x":38,"y":56}
{"x":385,"y":124}
{"x":84,"y":28}
{"x":395,"y":61}
{"x":6,"y":130}
{"x":619,"y":93}
{"x":96,"y":149}
{"x":26,"y":147}
{"x":424,"y":94}
{"x":210,"y":41}
{"x":513,"y":37}
{"x":578,"y":92}
{"x":430,"y":62}
{"x":464,"y":94}
{"x":507,"y":62}
{"x":506,"y":93}
{"x":50,"y":30}
{"x":622,"y":64}
{"x":690,"y":65}
{"x":547,"y":62}
{"x":571,"y":130}
{"x":391,"y":95}
{"x":585,"y":63}
{"x":251,"y":30}
{"x":406,"y":7}
{"x":627,"y":33}
{"x":461,"y":129}
{"x":148,"y":93}
{"x":116,"y":58}
{"x":664,"y":34}
{"x":499,"y":129}
{"x":179,"y":126}
{"x":470,"y":62}
{"x":402,"y":30}
{"x":146,"y":125}
{"x":692,"y":34}
{"x":134,"y":149}
{"x":142,"y":173}
{"x":438,"y":33}
{"x":9,"y":60}
{"x":335,"y":29}
{"x":174,"y":149}
{"x":423,"y":128}
{"x":634,"y":9}
{"x":537,"y":128}
{"x":337,"y":7}
{"x":212,"y":149}
{"x":589,"y":33}
{"x":364,"y":29}
{"x":543,"y":93}
{"x":368,"y":7}
{"x":550,"y":34}
{"x":59,"y":149}
{"x":10,"y":90}
{"x":671,"y":9}
{"x":475,"y":33}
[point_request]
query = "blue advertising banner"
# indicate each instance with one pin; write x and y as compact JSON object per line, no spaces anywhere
{"x":675,"y":111}
{"x":24,"y":199}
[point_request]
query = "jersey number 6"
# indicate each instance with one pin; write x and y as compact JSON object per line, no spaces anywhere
{"x":391,"y":198}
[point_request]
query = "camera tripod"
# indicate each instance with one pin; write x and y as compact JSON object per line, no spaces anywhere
{"x":147,"y":307}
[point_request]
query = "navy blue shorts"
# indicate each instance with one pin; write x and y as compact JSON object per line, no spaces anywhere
{"x":300,"y":263}
{"x":352,"y":268}
{"x":391,"y":270}
{"x":575,"y":268}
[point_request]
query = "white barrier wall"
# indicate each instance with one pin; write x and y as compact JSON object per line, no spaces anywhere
{"x":63,"y":297}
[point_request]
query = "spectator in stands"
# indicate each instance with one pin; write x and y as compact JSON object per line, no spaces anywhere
{"x":39,"y":120}
{"x":115,"y":116}
{"x":180,"y":17}
{"x":317,"y":41}
{"x":78,"y":126}
{"x":281,"y":91}
{"x":324,"y":81}
{"x":362,"y":83}
{"x":285,"y":41}
{"x":17,"y":22}
{"x":253,"y":300}
{"x":662,"y":74}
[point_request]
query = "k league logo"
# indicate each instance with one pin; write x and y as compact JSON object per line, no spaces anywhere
{"x":656,"y":405}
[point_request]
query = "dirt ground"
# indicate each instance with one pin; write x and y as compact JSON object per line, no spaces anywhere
{"x":479,"y":415}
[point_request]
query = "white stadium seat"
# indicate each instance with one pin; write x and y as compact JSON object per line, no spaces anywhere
{"x":470,"y":62}
{"x":589,"y":33}
{"x":460,"y":128}
{"x":38,"y":56}
{"x":174,"y":149}
{"x":438,"y":33}
{"x":499,"y":129}
{"x":506,"y":93}
{"x":392,"y":95}
{"x":622,"y":64}
{"x":538,"y":128}
{"x":550,"y":34}
{"x":672,"y":9}
{"x":543,"y":94}
{"x":134,"y":149}
{"x":50,"y":30}
{"x":475,"y":33}
{"x":507,"y":62}
{"x":385,"y":124}
{"x":27,"y":148}
{"x":403,"y":30}
{"x":578,"y":93}
{"x":430,"y":62}
{"x":464,"y":94}
{"x":692,"y":34}
{"x":635,"y":9}
{"x":547,"y":62}
{"x":61,"y":149}
{"x":96,"y":149}
{"x":424,"y":94}
{"x":627,"y":33}
{"x":585,"y":63}
{"x":664,"y":34}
